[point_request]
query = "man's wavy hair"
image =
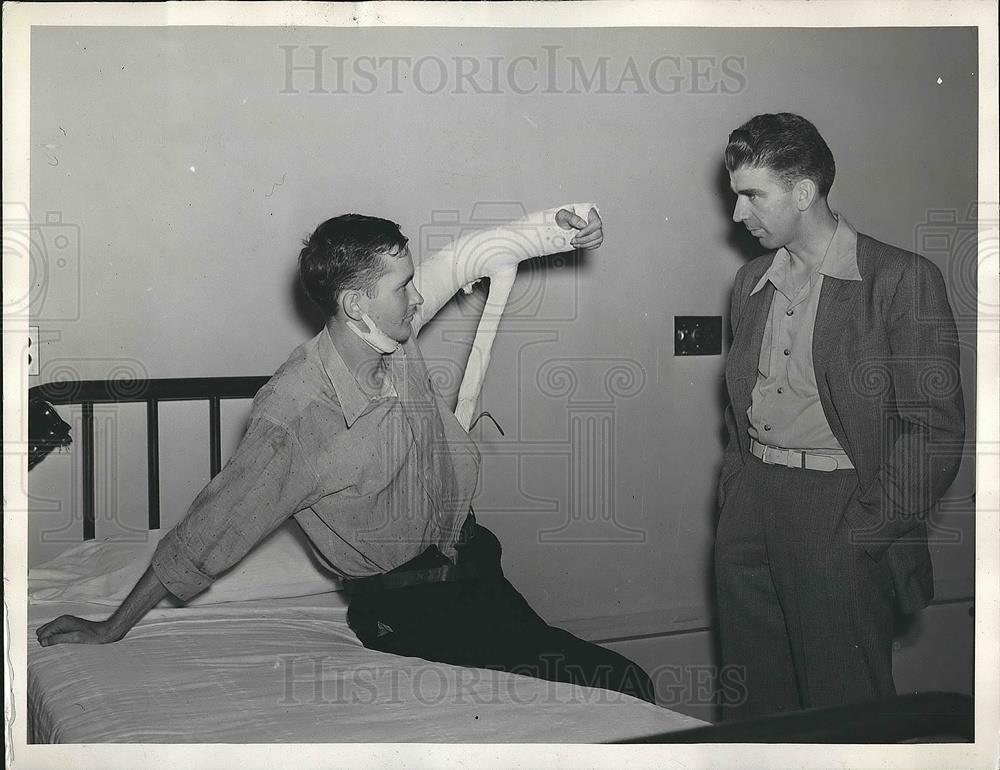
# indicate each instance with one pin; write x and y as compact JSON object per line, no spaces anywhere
{"x":346,"y":253}
{"x":787,"y":145}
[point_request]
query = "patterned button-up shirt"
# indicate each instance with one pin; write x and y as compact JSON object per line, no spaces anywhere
{"x":372,"y":481}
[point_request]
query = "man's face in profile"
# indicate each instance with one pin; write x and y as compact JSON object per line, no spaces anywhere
{"x":395,"y":299}
{"x":764,"y":205}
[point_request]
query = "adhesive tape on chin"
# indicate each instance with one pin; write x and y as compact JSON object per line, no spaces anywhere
{"x":374,"y":337}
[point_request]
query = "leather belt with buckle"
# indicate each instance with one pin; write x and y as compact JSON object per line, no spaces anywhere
{"x":792,"y":458}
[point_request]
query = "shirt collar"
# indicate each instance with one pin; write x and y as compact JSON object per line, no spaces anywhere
{"x":352,"y":399}
{"x":841,"y":259}
{"x":842,"y":256}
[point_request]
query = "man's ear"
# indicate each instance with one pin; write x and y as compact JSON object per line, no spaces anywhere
{"x":350,"y":306}
{"x":804,"y":193}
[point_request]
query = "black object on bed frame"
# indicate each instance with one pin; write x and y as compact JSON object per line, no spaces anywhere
{"x":152,"y":392}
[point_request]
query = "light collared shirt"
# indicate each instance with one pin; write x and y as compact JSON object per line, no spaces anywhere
{"x":372,"y":481}
{"x":785,"y":409}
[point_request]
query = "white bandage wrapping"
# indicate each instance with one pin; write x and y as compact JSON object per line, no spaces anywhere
{"x":496,"y":253}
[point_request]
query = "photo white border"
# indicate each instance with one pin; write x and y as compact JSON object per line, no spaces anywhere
{"x":18,"y":20}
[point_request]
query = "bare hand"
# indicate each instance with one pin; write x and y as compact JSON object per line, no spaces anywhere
{"x":591,"y":234}
{"x":73,"y":630}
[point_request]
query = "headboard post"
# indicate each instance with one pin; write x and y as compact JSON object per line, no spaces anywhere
{"x":89,"y":528}
{"x":153,"y":462}
{"x":215,"y":434}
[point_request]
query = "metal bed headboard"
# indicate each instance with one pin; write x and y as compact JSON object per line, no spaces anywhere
{"x":151,"y":391}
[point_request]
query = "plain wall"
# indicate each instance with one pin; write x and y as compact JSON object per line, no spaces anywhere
{"x":188,"y":179}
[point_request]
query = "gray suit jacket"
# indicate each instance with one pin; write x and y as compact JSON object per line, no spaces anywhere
{"x":885,"y":353}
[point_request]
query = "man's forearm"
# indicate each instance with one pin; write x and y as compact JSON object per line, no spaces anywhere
{"x":70,"y":629}
{"x":145,"y":595}
{"x":481,"y":253}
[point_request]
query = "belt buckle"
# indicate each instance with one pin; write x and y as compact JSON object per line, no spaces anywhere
{"x":800,"y":459}
{"x":774,"y":458}
{"x":773,"y":455}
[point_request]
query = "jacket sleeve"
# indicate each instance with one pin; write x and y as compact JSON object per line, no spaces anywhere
{"x":732,"y":459}
{"x":924,"y":427}
{"x":268,"y":479}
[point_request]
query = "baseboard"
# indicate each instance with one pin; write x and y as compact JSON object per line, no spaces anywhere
{"x":683,"y":620}
{"x":639,"y":625}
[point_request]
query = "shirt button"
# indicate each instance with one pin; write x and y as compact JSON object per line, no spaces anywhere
{"x":789,"y":312}
{"x":767,"y":427}
{"x":780,"y":391}
{"x":788,"y":352}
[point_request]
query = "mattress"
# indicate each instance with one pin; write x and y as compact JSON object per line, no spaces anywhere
{"x":290,"y":670}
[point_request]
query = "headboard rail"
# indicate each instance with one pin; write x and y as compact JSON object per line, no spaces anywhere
{"x":86,"y":393}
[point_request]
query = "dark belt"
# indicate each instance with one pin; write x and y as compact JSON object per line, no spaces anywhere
{"x":404,"y":578}
{"x":432,"y":566}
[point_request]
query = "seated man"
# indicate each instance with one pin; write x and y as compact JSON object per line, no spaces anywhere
{"x":350,"y":438}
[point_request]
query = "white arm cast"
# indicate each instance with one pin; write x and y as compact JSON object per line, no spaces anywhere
{"x":482,"y":346}
{"x":494,"y":253}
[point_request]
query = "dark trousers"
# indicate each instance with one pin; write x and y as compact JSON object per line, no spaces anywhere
{"x":805,"y":614}
{"x":483,"y":622}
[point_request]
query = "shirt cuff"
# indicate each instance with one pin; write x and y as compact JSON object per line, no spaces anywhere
{"x":176,"y":570}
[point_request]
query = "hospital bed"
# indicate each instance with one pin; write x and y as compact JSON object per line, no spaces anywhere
{"x":266,"y":655}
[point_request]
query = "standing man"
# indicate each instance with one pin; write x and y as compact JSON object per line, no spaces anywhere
{"x":351,"y":439}
{"x":845,"y":427}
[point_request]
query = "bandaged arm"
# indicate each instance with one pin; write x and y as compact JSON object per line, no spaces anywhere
{"x":488,"y":253}
{"x":493,"y":253}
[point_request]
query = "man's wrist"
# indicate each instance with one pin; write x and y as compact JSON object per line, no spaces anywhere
{"x":114,"y":628}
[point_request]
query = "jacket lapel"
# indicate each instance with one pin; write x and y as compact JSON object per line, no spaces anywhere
{"x":745,"y":352}
{"x":837,"y":301}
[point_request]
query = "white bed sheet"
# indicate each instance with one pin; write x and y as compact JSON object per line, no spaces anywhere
{"x":291,"y":670}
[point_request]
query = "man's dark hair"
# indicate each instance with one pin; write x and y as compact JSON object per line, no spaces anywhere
{"x":788,"y":145}
{"x":346,"y":253}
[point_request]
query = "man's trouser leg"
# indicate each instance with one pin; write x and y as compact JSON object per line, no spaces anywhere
{"x":804,"y":611}
{"x":485,"y":623}
{"x":753,"y":638}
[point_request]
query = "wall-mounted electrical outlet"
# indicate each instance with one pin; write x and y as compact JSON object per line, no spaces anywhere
{"x":33,"y":351}
{"x":697,"y":335}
